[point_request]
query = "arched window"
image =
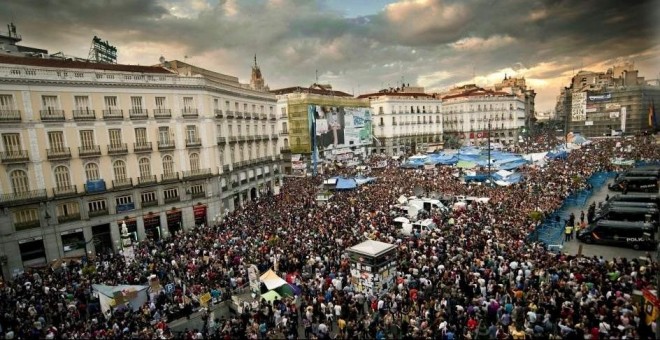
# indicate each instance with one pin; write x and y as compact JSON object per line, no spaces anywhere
{"x":168,"y":165}
{"x":119,"y":168}
{"x":62,"y":180}
{"x":19,"y":181}
{"x":194,"y":161}
{"x":145,"y":167}
{"x":92,"y":171}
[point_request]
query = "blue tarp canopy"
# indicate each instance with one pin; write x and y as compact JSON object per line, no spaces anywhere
{"x":557,"y":154}
{"x":468,"y":155}
{"x":346,"y":184}
{"x":364,"y":180}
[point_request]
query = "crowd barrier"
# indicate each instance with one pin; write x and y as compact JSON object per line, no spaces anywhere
{"x":551,"y":230}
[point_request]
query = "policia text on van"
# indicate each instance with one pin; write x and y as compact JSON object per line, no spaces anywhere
{"x":638,"y":235}
{"x":635,"y":184}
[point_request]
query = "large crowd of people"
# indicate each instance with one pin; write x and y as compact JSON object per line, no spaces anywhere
{"x":476,"y":276}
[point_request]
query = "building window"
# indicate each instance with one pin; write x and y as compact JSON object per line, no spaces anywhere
{"x":92,"y":172}
{"x":56,"y":140}
{"x":62,"y":180}
{"x":230,"y":129}
{"x":145,"y":167}
{"x":136,"y":103}
{"x":110,"y":102}
{"x":81,"y":102}
{"x":6,"y":102}
{"x":148,"y":196}
{"x":194,"y":161}
{"x":26,"y":216}
{"x":19,"y":181}
{"x":68,"y":209}
{"x":12,"y":142}
{"x":97,"y":205}
{"x":121,"y":200}
{"x":141,"y":136}
{"x":170,"y":193}
{"x":87,"y":139}
{"x":168,"y":165}
{"x":216,"y":104}
{"x":119,"y":168}
{"x":50,"y":103}
{"x":164,"y":135}
{"x":160,"y":102}
{"x":188,"y":103}
{"x":197,"y":189}
{"x":191,"y":132}
{"x":115,"y":137}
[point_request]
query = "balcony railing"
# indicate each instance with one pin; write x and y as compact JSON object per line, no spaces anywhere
{"x":166,"y":145}
{"x":99,"y":212}
{"x":84,"y":114}
{"x":199,"y":173}
{"x":172,"y":199}
{"x":193,"y":142}
{"x":199,"y":194}
{"x":125,"y":183}
{"x":52,"y":115}
{"x":222,"y":140}
{"x":284,"y":133}
{"x":68,"y":218}
{"x":23,"y":197}
{"x":284,"y":115}
{"x":143,"y":147}
{"x":118,"y":149}
{"x":27,"y":225}
{"x":147,"y":204}
{"x":285,"y":149}
{"x":147,"y":180}
{"x":239,"y":115}
{"x":218,"y":113}
{"x":113,"y":114}
{"x":168,"y":178}
{"x":14,"y":156}
{"x":189,"y":112}
{"x":272,"y":117}
{"x":233,"y":139}
{"x":263,"y":116}
{"x":59,"y":153}
{"x":89,"y":151}
{"x":69,"y":190}
{"x":274,"y":136}
{"x":225,"y":168}
{"x":138,"y":114}
{"x":230,"y":114}
{"x":162,"y":113}
{"x":10,"y":116}
{"x":248,"y":115}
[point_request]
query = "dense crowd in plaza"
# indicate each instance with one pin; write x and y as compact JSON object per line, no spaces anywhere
{"x":476,"y":276}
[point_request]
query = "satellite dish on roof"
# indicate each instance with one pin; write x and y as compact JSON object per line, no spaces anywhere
{"x":418,"y":191}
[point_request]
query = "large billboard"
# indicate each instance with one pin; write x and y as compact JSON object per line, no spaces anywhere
{"x":339,"y":127}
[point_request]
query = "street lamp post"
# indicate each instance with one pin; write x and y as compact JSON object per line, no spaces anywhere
{"x":489,"y":178}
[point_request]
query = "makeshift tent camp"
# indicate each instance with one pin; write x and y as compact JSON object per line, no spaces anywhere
{"x":114,"y":296}
{"x":271,"y":280}
{"x":271,"y":296}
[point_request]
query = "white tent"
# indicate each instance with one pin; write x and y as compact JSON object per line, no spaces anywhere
{"x":271,"y":280}
{"x":111,"y":296}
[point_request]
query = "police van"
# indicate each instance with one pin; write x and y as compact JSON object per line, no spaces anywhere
{"x":636,"y":235}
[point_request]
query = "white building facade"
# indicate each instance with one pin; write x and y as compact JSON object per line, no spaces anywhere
{"x":405,"y":121}
{"x":466,"y":116}
{"x":86,"y":147}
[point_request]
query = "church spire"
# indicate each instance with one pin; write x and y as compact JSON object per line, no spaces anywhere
{"x":255,"y":60}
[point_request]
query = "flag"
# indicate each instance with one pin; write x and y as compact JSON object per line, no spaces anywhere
{"x":652,"y":115}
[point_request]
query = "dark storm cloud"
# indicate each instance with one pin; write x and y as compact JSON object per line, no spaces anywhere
{"x":448,"y":40}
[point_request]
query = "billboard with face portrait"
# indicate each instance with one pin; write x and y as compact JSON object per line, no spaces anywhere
{"x":336,"y":127}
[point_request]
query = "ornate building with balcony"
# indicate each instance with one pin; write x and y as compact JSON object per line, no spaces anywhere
{"x":467,"y":112}
{"x":405,"y":119}
{"x":85,"y":147}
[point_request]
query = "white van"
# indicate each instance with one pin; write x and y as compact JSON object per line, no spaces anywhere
{"x":421,"y":228}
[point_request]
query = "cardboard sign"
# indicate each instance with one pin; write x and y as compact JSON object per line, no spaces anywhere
{"x":204,"y":299}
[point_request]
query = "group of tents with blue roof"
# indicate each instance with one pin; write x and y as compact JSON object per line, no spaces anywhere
{"x":502,"y":163}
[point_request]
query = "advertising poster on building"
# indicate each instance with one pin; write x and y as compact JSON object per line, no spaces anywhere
{"x":600,"y":97}
{"x":623,"y":119}
{"x":579,"y":107}
{"x":338,"y":127}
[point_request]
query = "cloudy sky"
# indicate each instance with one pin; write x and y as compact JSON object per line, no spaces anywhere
{"x":359,"y":46}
